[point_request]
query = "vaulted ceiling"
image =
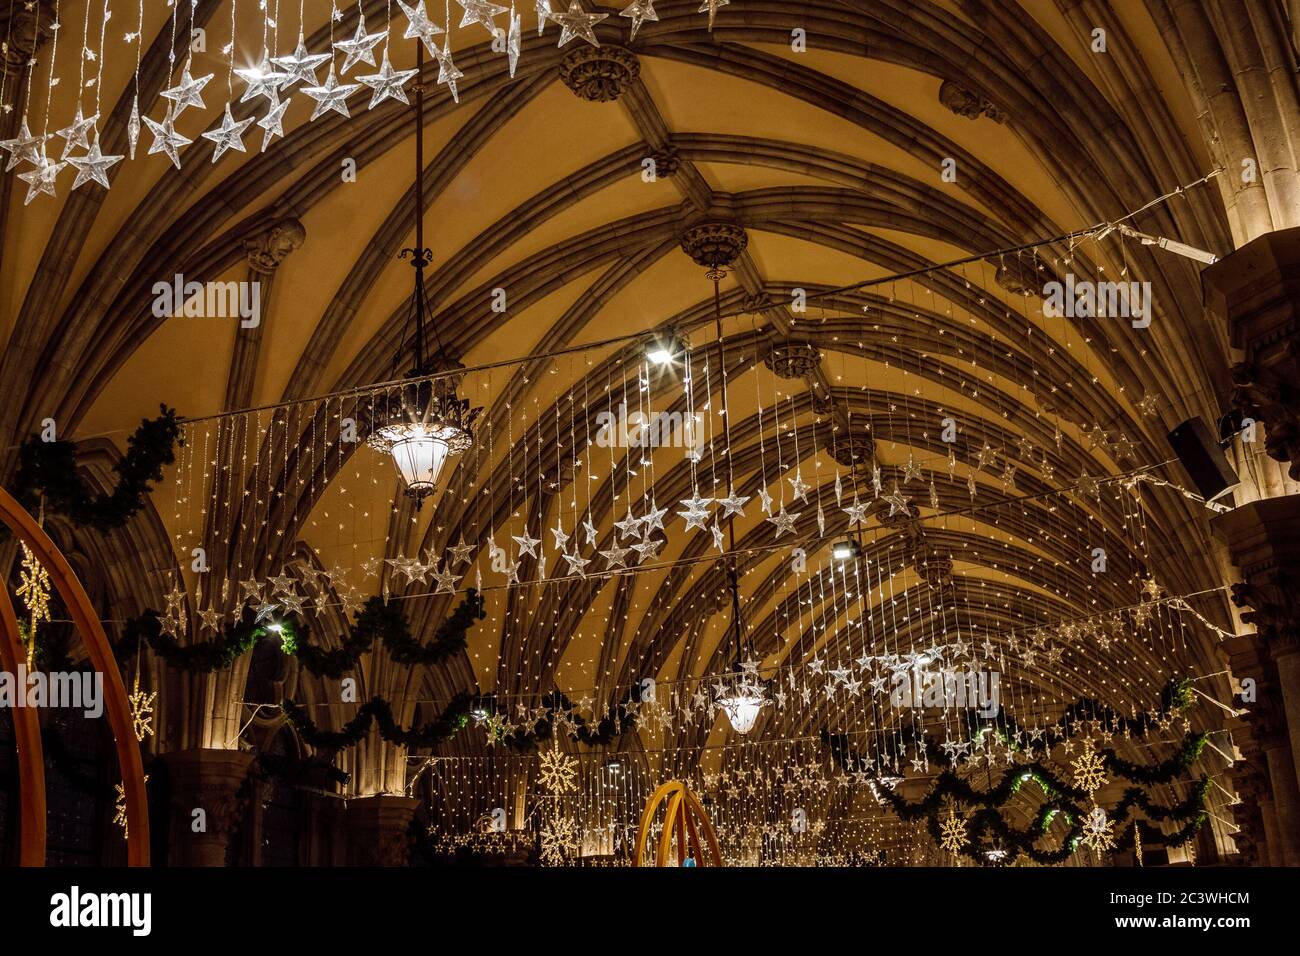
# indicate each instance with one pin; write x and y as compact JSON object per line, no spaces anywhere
{"x":830,"y":157}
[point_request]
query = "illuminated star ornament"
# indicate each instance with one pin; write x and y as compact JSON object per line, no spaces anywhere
{"x":419,"y":26}
{"x":93,"y":166}
{"x":185,"y":94}
{"x":387,"y":83}
{"x":166,"y":139}
{"x":42,"y":178}
{"x":24,"y":148}
{"x":333,"y":95}
{"x":360,"y":49}
{"x":300,"y":66}
{"x":273,"y":121}
{"x":261,"y":80}
{"x":228,"y":135}
{"x":711,"y":8}
{"x":578,"y":23}
{"x":478,"y":11}
{"x":447,"y":71}
{"x":639,"y":11}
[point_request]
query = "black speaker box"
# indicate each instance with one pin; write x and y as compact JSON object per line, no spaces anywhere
{"x":1204,"y":460}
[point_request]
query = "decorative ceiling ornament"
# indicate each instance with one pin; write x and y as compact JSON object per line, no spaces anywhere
{"x":42,"y":178}
{"x":448,"y":73}
{"x":479,"y":11}
{"x":273,"y":121}
{"x":793,"y":359}
{"x":935,"y":570}
{"x":599,"y":74}
{"x":76,"y":136}
{"x":715,"y":244}
{"x":854,"y":450}
{"x":968,"y":104}
{"x":1089,"y":768}
{"x":25,"y":148}
{"x":952,"y":832}
{"x":741,"y":698}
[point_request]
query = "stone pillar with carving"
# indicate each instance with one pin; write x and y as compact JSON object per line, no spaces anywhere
{"x":378,"y":830}
{"x":211,"y":781}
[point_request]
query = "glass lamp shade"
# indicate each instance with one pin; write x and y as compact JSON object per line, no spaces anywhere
{"x":420,"y":451}
{"x":742,"y":704}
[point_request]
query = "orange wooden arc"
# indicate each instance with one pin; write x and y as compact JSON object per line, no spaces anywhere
{"x":27,"y":733}
{"x":116,"y":705}
{"x":684,"y":818}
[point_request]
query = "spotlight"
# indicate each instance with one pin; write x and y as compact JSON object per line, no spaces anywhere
{"x":1170,"y":245}
{"x":846,"y":550}
{"x":664,"y":349}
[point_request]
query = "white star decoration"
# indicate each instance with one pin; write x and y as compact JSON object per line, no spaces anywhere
{"x":300,"y":65}
{"x":387,"y":83}
{"x":228,"y":135}
{"x":93,"y":166}
{"x":639,"y":11}
{"x":332,"y":96}
{"x":577,"y":23}
{"x":166,"y":139}
{"x":360,"y":49}
{"x":419,"y":26}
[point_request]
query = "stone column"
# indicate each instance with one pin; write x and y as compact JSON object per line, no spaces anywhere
{"x":377,"y":830}
{"x":207,"y":780}
{"x":1263,"y":538}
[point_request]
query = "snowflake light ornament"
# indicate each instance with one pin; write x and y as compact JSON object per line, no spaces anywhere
{"x":558,"y":841}
{"x":1097,"y":829}
{"x":558,"y":772}
{"x":1089,"y":769}
{"x":952,"y":832}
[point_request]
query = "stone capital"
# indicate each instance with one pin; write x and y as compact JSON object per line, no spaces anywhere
{"x":1256,"y":291}
{"x":208,"y":780}
{"x":379,"y":830}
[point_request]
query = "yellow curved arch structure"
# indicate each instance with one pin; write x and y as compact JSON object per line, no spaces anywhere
{"x":31,"y":768}
{"x":684,"y":821}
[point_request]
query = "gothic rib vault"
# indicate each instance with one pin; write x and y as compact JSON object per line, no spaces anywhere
{"x":829,"y":158}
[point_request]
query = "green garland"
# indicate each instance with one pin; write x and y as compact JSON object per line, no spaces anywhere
{"x":987,"y":821}
{"x":47,"y":473}
{"x":376,"y":619}
{"x":388,"y":623}
{"x":454,"y":718}
{"x":202,"y":657}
